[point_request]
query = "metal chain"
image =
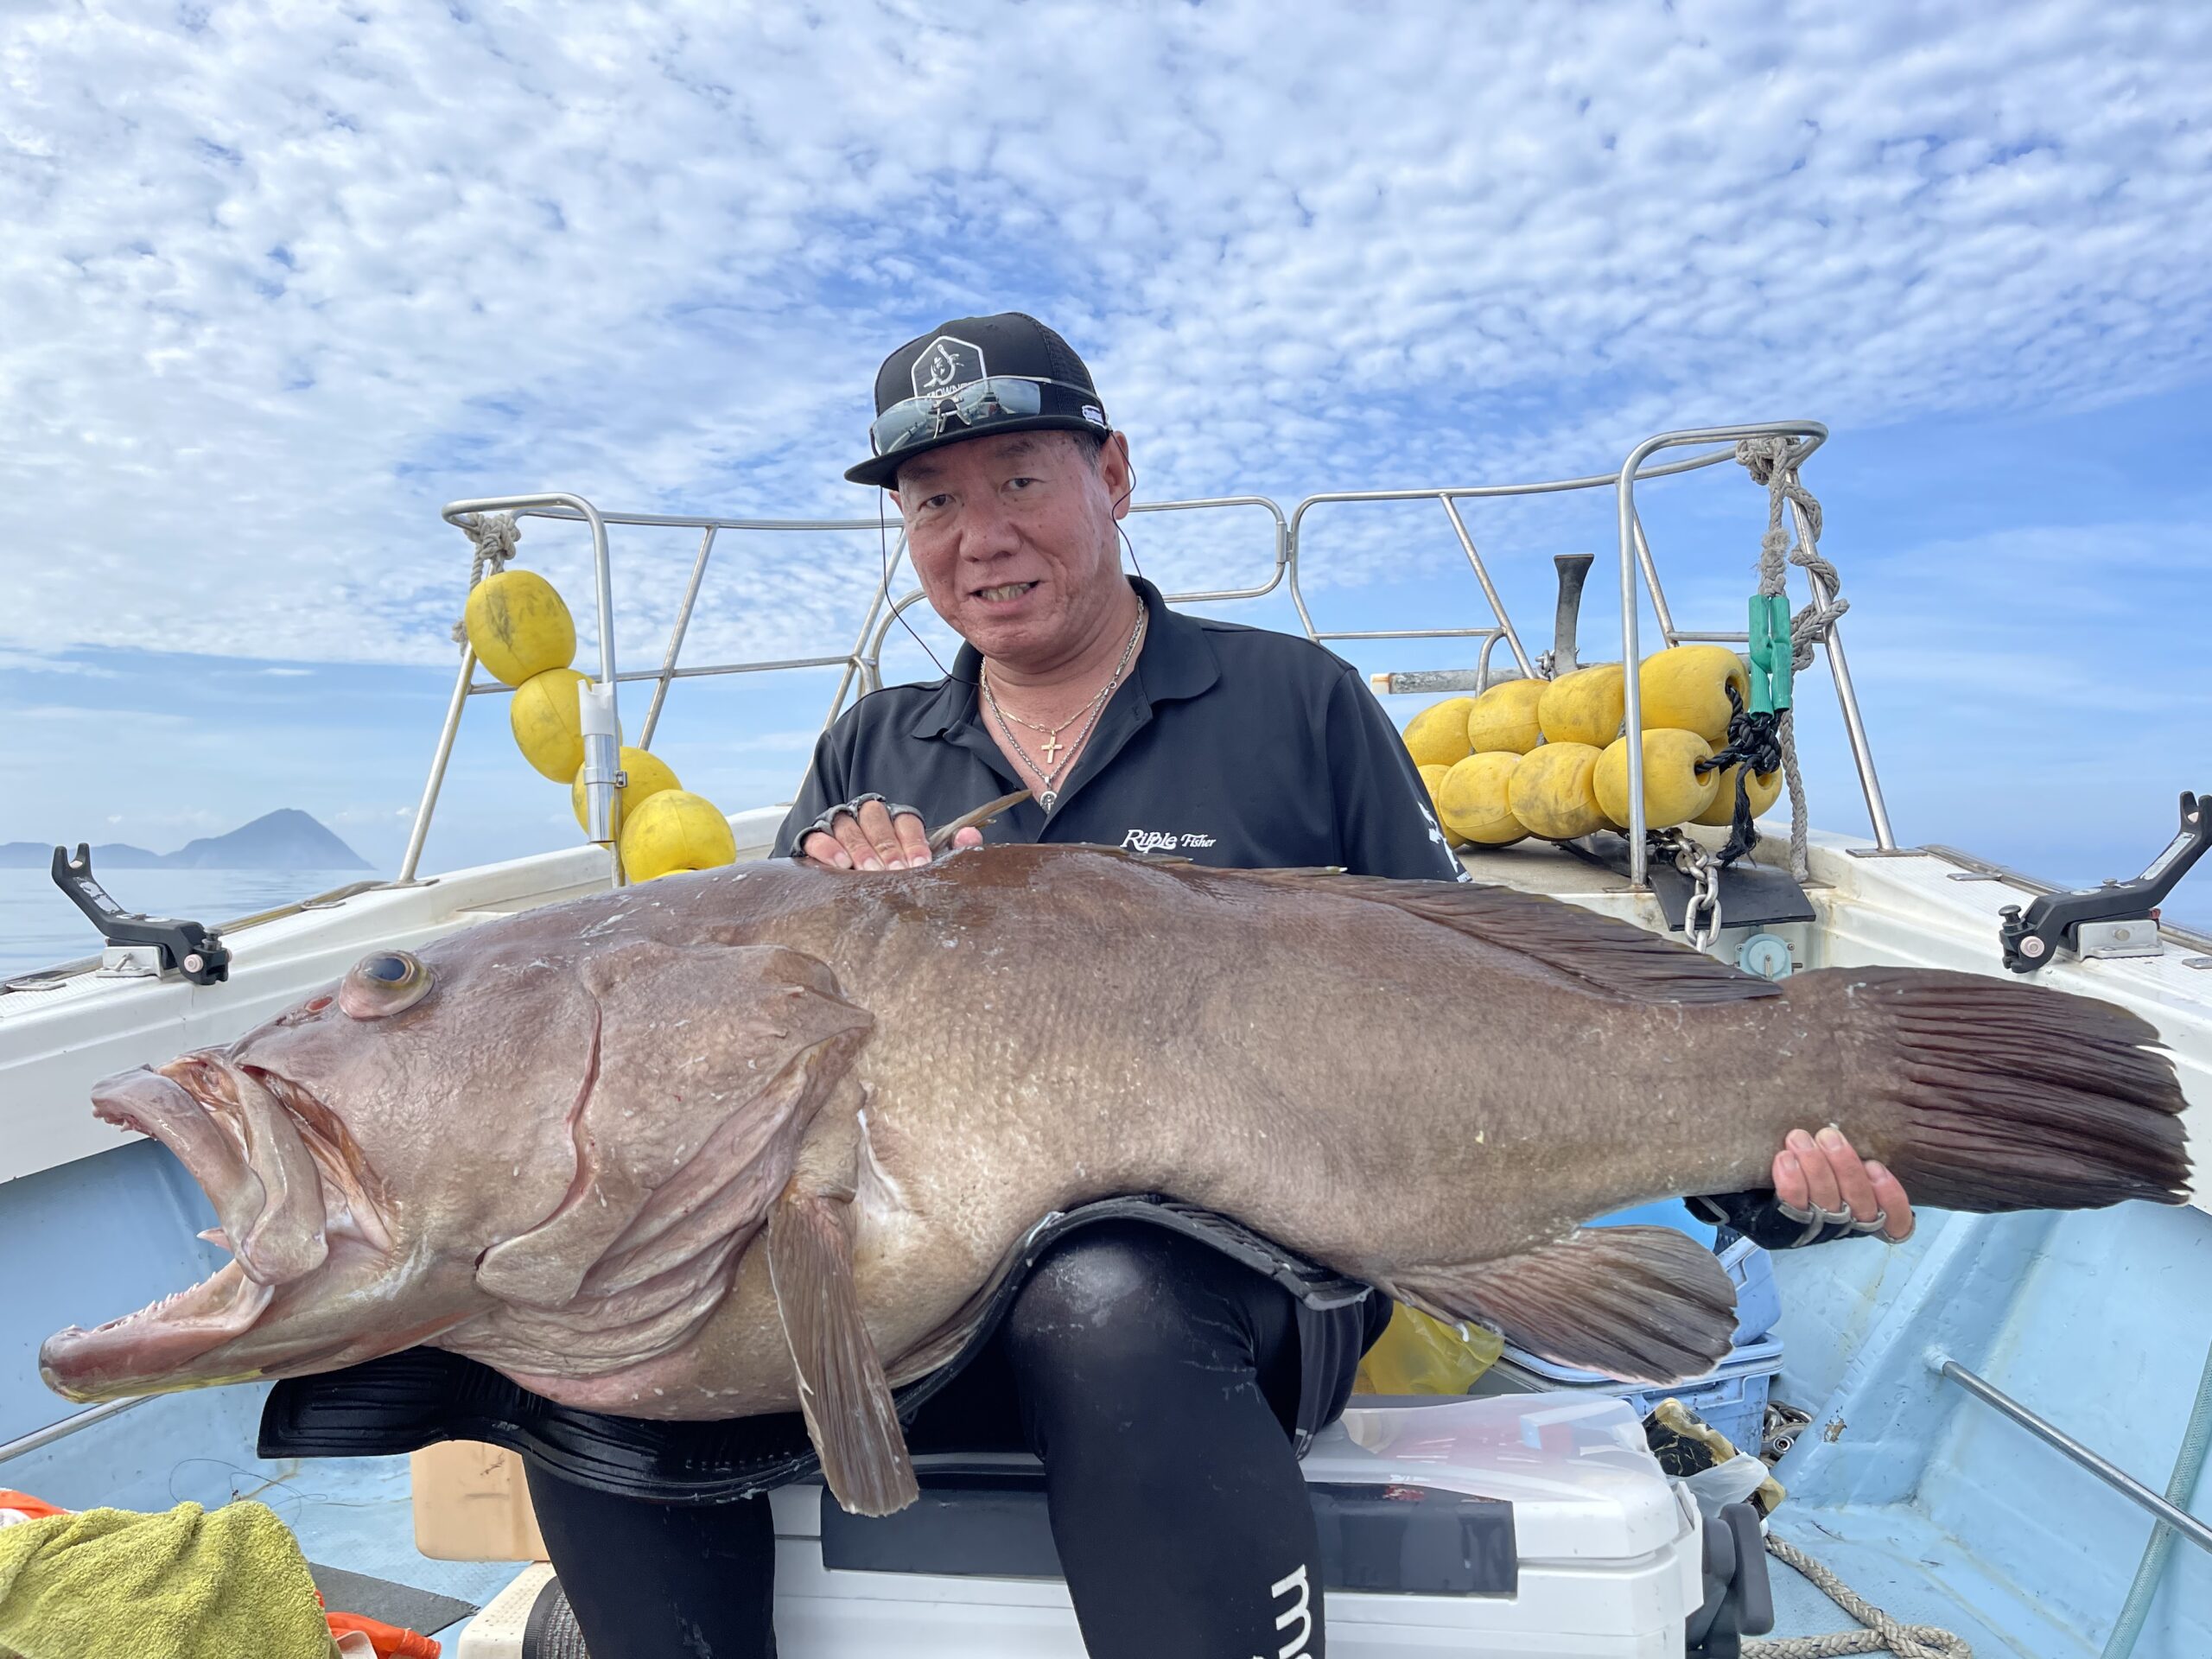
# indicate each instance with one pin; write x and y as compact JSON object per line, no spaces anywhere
{"x":1048,"y":796}
{"x":1701,"y":917}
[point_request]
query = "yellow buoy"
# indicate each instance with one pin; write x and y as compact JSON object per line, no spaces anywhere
{"x":1687,"y":687}
{"x":1766,"y":791}
{"x":519,"y":625}
{"x":548,"y":726}
{"x":1438,"y":735}
{"x":1473,"y":800}
{"x":1674,"y":790}
{"x":1584,"y":707}
{"x":1551,"y":794}
{"x":1432,"y":779}
{"x":648,"y":774}
{"x":675,"y":830}
{"x":1503,"y":719}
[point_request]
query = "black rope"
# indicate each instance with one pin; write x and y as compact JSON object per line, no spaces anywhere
{"x":1755,"y":742}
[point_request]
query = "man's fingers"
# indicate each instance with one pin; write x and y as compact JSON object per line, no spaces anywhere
{"x":1821,"y":1191}
{"x":881,"y":841}
{"x":1790,"y":1179}
{"x":1889,"y":1193}
{"x":859,"y":849}
{"x":824,"y":849}
{"x":873,"y":837}
{"x":1850,"y":1172}
{"x":913,"y":839}
{"x":1825,"y":1173}
{"x":869,"y":838}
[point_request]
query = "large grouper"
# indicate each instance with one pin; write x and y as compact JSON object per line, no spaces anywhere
{"x":766,"y":1136}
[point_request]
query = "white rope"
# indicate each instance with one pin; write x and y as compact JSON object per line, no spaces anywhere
{"x":493,"y":536}
{"x":1882,"y":1635}
{"x":1765,"y":460}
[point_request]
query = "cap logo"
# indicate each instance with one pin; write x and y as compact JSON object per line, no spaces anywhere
{"x":946,"y":363}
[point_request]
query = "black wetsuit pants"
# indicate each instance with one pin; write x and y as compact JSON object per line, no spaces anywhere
{"x":1154,"y":1377}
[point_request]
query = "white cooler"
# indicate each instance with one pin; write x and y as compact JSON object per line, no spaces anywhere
{"x":1521,"y":1525}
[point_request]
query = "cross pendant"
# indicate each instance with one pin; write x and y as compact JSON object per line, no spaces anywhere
{"x":1052,"y":747}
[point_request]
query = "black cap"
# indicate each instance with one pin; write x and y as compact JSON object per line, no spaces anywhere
{"x":974,"y":348}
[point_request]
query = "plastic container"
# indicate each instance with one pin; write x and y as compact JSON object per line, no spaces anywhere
{"x":1758,"y":1298}
{"x":1732,"y":1397}
{"x":1588,"y":1549}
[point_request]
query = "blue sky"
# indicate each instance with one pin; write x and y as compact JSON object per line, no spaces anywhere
{"x":280,"y":281}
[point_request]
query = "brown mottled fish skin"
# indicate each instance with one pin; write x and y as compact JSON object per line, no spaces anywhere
{"x":1425,"y":1085}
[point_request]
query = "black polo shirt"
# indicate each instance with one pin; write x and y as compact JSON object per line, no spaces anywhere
{"x":1226,"y":745}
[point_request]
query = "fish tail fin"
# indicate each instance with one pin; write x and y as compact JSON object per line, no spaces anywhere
{"x":2013,"y":1096}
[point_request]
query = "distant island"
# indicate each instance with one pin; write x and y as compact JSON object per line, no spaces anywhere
{"x":283,"y":839}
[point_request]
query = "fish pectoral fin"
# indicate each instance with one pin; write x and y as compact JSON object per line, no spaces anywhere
{"x":843,"y":1390}
{"x":1642,"y":1304}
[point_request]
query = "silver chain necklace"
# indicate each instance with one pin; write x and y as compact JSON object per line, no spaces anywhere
{"x":1048,"y":796}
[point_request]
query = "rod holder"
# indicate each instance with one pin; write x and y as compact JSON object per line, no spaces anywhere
{"x":1574,"y":570}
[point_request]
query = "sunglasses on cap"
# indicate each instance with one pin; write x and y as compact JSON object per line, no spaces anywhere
{"x":977,"y":403}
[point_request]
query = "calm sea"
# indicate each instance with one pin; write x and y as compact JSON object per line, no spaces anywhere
{"x":39,"y":927}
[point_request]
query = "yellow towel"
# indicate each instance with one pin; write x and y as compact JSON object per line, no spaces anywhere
{"x":184,"y":1584}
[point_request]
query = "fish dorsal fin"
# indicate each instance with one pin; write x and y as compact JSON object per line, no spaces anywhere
{"x":1642,"y":1304}
{"x":1616,"y":957}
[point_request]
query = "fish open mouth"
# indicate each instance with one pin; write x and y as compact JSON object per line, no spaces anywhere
{"x":286,"y":1185}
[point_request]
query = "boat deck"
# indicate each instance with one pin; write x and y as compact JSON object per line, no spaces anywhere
{"x":355,"y":1514}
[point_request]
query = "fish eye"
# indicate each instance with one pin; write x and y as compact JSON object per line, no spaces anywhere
{"x":386,"y":983}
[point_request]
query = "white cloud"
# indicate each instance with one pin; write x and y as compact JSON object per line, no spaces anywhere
{"x":33,"y":716}
{"x":31,"y":661}
{"x":281,"y":283}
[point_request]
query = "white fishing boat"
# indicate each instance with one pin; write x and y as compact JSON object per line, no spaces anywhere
{"x":1997,"y":1425}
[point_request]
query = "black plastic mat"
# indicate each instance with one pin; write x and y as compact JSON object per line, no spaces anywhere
{"x":392,"y":1604}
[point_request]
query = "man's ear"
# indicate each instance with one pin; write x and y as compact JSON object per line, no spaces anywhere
{"x":1117,"y":473}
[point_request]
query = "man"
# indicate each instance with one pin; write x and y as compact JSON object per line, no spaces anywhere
{"x":1165,"y":1385}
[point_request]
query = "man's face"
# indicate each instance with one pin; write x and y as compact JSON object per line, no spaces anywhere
{"x":1013,"y":537}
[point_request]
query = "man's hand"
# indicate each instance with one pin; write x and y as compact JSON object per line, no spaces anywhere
{"x":871,"y":837}
{"x":1821,"y":1174}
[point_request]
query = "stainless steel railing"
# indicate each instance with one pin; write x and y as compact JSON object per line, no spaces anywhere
{"x":2170,"y":1514}
{"x":1636,"y":552}
{"x":861,"y":663}
{"x":1637,"y":563}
